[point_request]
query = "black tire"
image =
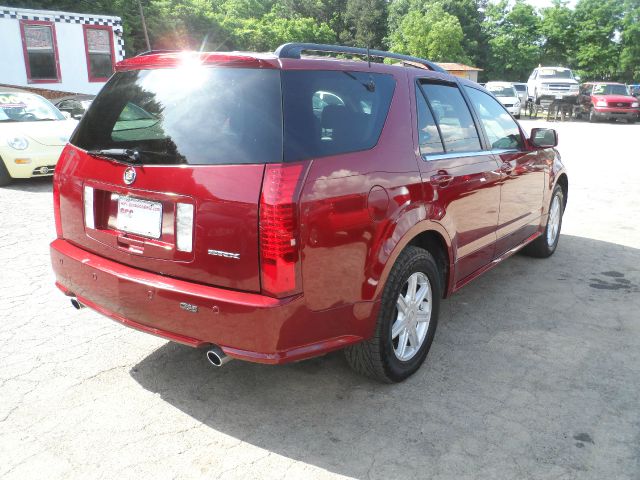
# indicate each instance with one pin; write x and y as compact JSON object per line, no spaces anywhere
{"x":540,"y":247}
{"x":376,"y":358}
{"x":5,"y":178}
{"x":517,"y":116}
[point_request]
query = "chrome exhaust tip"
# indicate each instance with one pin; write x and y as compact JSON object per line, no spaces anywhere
{"x":216,"y":356}
{"x":76,"y":304}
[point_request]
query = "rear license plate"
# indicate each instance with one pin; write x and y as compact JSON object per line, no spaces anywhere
{"x":558,"y":97}
{"x":139,"y":216}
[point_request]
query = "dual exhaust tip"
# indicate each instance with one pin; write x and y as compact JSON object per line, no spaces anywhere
{"x":215,"y":355}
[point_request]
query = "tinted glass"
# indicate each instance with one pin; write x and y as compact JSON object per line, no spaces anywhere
{"x":333,"y":112}
{"x":453,"y":117}
{"x":502,"y":131}
{"x":195,"y":115}
{"x":428,"y":135}
{"x":26,"y":107}
{"x":100,"y":65}
{"x":520,"y":88}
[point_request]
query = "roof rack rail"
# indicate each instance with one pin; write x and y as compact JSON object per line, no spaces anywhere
{"x":294,"y":50}
{"x":153,"y":52}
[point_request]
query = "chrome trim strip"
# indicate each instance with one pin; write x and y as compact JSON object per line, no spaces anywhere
{"x":447,"y":156}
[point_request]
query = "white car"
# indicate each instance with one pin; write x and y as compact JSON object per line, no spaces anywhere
{"x":553,"y":84}
{"x":32,"y":135}
{"x":507,"y":95}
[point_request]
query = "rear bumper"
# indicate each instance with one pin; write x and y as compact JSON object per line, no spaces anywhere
{"x":245,"y":325}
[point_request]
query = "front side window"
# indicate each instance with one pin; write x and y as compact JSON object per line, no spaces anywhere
{"x":502,"y":131}
{"x":333,"y":112}
{"x":40,"y":51}
{"x":452,"y":117}
{"x":98,"y":43}
{"x":428,"y":135}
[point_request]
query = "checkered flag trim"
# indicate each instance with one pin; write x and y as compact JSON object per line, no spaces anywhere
{"x":114,"y":22}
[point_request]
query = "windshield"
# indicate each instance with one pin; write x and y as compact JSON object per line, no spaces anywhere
{"x":26,"y":107}
{"x":556,"y":73}
{"x":609,"y":90}
{"x":195,"y":115}
{"x":502,"y":91}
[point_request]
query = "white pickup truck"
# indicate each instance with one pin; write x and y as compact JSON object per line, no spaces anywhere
{"x":553,"y":83}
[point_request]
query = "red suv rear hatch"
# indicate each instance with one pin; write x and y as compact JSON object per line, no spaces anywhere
{"x":164,"y":172}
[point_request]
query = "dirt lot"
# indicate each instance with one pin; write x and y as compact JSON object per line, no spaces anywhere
{"x":534,"y":372}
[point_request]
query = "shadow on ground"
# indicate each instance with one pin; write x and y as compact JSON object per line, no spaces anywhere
{"x":36,"y":185}
{"x":533,"y":370}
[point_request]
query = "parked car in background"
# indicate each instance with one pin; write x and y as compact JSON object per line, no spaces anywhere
{"x":506,"y":93}
{"x":274,"y":207}
{"x":553,"y":83}
{"x":74,"y":105}
{"x":521,"y":88}
{"x":608,"y":101}
{"x":634,"y":90}
{"x":33,"y":132}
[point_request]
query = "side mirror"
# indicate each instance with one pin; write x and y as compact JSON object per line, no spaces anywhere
{"x":543,"y":137}
{"x":577,"y":77}
{"x":65,"y":114}
{"x":77,"y":116}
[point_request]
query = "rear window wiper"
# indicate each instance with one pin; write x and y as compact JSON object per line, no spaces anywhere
{"x":120,"y":155}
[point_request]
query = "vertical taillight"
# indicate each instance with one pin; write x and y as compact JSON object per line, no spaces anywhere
{"x":279,"y":235}
{"x":68,"y":151}
{"x":56,"y":205}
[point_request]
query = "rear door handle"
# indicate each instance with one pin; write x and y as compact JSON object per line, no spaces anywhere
{"x":506,"y":168}
{"x":441,"y":179}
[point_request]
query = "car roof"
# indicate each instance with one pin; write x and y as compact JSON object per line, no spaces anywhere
{"x":500,"y":84}
{"x":269,"y":61}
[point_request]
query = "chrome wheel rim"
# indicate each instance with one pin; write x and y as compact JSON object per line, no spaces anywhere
{"x":413,"y":315}
{"x":553,"y":224}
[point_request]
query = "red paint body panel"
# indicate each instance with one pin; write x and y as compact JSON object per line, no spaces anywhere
{"x":356,"y":213}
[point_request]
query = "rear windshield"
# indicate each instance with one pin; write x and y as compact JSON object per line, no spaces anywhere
{"x":520,"y":87}
{"x":199,"y":116}
{"x":210,"y":116}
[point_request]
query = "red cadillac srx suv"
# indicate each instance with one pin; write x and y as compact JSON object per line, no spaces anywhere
{"x":275,"y":207}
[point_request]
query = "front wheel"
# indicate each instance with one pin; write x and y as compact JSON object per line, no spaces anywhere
{"x":406,"y":322}
{"x":546,"y":244}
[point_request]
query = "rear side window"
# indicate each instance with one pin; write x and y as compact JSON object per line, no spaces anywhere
{"x":502,"y":131}
{"x":428,"y":135}
{"x":333,"y":112}
{"x":198,"y":115}
{"x":453,"y":117}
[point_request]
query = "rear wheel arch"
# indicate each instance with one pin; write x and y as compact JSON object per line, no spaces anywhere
{"x":433,"y":242}
{"x":431,"y":237}
{"x":563,"y":181}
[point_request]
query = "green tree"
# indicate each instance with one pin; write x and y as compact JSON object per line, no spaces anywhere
{"x":365,"y":23}
{"x":597,"y":50}
{"x":630,"y":42}
{"x":514,"y":40}
{"x":436,"y":35}
{"x":558,"y":31}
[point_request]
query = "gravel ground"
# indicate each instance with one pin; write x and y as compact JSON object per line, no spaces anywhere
{"x":534,"y":372}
